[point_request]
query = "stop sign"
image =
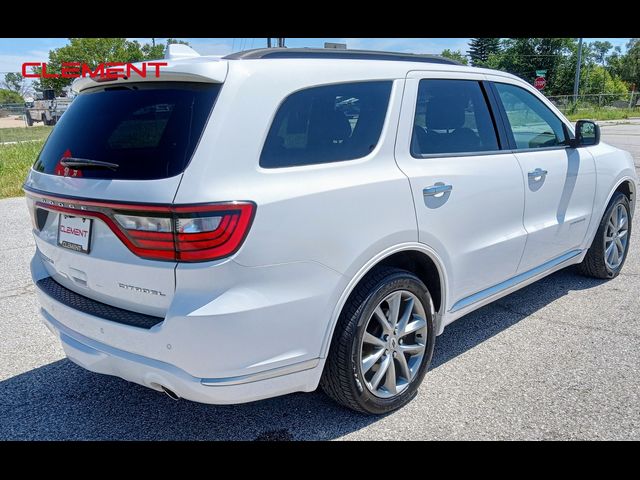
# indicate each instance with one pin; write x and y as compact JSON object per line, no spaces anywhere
{"x":539,"y":83}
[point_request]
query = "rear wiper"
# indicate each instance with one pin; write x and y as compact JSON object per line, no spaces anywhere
{"x":75,"y":163}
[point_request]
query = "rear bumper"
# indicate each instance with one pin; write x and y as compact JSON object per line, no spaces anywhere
{"x":220,"y":347}
{"x":100,"y":358}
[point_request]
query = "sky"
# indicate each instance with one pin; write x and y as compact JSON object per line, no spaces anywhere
{"x":15,"y":51}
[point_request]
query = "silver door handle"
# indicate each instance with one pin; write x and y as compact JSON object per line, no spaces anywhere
{"x":538,"y":172}
{"x":436,"y":189}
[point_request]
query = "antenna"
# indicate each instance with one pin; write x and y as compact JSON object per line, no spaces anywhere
{"x":179,"y":50}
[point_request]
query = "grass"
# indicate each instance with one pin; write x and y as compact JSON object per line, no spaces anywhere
{"x":15,"y":161}
{"x":23,"y":134}
{"x":595,"y":113}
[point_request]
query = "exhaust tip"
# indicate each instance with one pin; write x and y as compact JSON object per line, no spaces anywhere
{"x":170,"y":393}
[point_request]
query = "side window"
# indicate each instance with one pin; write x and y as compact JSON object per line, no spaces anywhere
{"x":532,"y":123}
{"x":452,"y":116}
{"x":327,"y":124}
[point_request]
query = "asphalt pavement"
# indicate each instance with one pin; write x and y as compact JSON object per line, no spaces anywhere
{"x":559,"y":359}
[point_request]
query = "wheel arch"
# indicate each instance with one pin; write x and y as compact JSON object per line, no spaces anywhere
{"x":427,"y":265}
{"x":628,"y":187}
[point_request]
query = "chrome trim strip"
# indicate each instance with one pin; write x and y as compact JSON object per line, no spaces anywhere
{"x":436,"y":189}
{"x":488,"y":292}
{"x":254,"y":377}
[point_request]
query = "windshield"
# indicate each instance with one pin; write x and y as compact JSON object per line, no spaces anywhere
{"x":149,"y":130}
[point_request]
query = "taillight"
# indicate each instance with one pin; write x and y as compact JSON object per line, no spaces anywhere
{"x":187,"y":233}
{"x":213,"y":231}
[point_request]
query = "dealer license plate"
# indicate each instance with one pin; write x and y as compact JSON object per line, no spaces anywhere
{"x":74,"y":233}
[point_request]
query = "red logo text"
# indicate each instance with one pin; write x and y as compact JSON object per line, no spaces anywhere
{"x":104,"y":71}
{"x":74,"y":231}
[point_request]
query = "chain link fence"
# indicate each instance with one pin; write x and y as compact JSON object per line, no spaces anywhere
{"x":569,"y":103}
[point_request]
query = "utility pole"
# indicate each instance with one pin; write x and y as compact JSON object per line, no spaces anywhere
{"x":576,"y":82}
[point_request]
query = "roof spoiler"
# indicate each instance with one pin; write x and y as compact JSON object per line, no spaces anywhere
{"x":179,"y":50}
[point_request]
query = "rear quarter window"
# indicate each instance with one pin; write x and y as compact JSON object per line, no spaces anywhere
{"x":150,"y":130}
{"x":325,"y":124}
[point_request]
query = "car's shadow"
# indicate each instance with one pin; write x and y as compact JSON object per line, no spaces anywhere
{"x":63,"y":401}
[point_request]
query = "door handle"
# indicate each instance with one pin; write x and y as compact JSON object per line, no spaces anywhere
{"x":537,"y":173}
{"x":436,"y":189}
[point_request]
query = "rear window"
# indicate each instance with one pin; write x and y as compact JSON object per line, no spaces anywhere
{"x":326,"y":124}
{"x":149,"y":130}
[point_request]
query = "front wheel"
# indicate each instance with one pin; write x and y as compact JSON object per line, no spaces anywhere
{"x":383,"y":343}
{"x":609,"y":248}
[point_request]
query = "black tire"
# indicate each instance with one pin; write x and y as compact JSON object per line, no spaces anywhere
{"x":594,"y":264}
{"x":29,"y":119}
{"x":342,"y":379}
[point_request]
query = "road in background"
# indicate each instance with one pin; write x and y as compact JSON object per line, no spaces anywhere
{"x":559,"y":359}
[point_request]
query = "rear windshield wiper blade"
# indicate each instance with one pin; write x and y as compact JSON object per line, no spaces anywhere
{"x":75,"y":163}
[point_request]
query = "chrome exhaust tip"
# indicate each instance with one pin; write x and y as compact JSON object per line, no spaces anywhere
{"x":170,"y":393}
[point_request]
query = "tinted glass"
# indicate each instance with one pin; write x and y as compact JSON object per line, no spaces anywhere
{"x":532,"y":123}
{"x":452,"y":117}
{"x":327,"y":124}
{"x":150,"y":130}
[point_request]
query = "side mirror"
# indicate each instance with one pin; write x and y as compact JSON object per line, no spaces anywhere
{"x":587,"y":134}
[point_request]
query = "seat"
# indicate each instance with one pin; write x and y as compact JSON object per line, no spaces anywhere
{"x":445,"y":117}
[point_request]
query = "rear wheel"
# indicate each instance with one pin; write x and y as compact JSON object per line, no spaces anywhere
{"x":609,"y":248}
{"x":383,"y":343}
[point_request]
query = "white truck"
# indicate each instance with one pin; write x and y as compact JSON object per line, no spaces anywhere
{"x":47,"y":108}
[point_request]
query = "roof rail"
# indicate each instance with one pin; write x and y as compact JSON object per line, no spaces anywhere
{"x":330,"y":53}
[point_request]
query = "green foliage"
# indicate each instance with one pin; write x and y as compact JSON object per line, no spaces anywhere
{"x":23,"y":134}
{"x":604,"y":68}
{"x":601,"y":113}
{"x":8,"y":96}
{"x":600,"y":50}
{"x":94,"y":51}
{"x":628,"y":66}
{"x":523,"y":56}
{"x":456,"y":55}
{"x":14,"y":82}
{"x":481,"y":48}
{"x":15,"y":161}
{"x":596,"y":79}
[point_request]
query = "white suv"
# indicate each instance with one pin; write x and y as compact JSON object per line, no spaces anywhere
{"x":278,"y":219}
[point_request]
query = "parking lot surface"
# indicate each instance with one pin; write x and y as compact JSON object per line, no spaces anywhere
{"x":559,"y":359}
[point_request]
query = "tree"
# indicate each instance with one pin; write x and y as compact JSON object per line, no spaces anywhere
{"x":629,"y":69}
{"x":523,"y":56}
{"x":13,"y":82}
{"x":94,"y":51}
{"x":456,"y":55}
{"x":481,"y":48}
{"x":600,"y":50}
{"x":9,"y":96}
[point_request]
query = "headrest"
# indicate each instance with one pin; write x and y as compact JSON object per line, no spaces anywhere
{"x":445,"y":112}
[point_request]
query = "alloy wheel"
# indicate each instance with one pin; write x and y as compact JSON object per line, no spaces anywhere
{"x":393,"y":344}
{"x":616,"y":236}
